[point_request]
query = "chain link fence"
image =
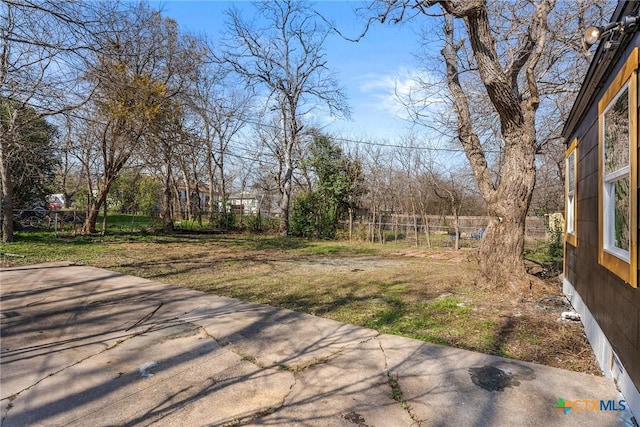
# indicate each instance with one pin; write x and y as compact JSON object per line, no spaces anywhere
{"x":429,"y":231}
{"x":436,"y":231}
{"x":42,"y":219}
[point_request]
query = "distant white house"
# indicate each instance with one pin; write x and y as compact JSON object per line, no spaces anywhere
{"x":246,"y":203}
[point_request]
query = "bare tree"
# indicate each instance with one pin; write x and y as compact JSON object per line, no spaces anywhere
{"x":165,"y":144}
{"x":285,"y":59}
{"x":415,"y":181}
{"x":512,"y":52}
{"x":41,"y":47}
{"x":382,"y":196}
{"x":451,"y":190}
{"x":222,"y":112}
{"x":142,"y":68}
{"x":69,"y":176}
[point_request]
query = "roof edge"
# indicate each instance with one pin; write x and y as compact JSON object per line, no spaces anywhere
{"x":596,"y":77}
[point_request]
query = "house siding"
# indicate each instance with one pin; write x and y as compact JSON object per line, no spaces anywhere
{"x":615,"y":306}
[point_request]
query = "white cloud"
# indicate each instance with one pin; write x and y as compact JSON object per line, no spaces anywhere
{"x":392,"y":92}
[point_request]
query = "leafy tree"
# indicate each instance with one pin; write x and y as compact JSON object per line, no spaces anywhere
{"x":339,"y":185}
{"x":311,"y":216}
{"x":130,"y":104}
{"x":124,"y":195}
{"x":149,"y":194}
{"x":135,"y":192}
{"x":139,"y":73}
{"x":30,"y":153}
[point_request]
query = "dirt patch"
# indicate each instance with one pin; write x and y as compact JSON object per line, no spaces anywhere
{"x":446,"y":255}
{"x":348,"y":264}
{"x":532,"y":330}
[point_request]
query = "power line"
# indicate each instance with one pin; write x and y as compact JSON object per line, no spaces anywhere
{"x":371,"y":143}
{"x":334,"y":137}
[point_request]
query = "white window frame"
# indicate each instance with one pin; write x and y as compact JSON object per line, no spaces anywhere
{"x":609,"y":181}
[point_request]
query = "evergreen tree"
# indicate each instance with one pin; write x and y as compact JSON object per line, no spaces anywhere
{"x":30,"y":153}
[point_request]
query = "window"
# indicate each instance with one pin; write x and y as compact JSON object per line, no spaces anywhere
{"x":570,"y":193}
{"x":617,"y":173}
{"x":616,"y":176}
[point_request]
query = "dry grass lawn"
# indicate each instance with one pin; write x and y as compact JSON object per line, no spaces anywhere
{"x":431,"y":295}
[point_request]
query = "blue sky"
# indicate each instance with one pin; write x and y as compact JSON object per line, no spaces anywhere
{"x":369,"y":71}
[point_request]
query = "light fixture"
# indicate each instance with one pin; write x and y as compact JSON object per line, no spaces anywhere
{"x":592,"y":35}
{"x":629,"y":23}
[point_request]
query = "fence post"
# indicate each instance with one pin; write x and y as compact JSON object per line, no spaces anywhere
{"x":427,"y":231}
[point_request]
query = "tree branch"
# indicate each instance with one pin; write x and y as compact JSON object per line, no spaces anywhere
{"x":466,"y":134}
{"x":539,"y":26}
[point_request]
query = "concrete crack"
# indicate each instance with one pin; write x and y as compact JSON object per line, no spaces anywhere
{"x":118,"y":342}
{"x":384,"y":355}
{"x":396,"y":391}
{"x":316,"y":361}
{"x":375,"y":337}
{"x":272,"y":410}
{"x":243,"y":356}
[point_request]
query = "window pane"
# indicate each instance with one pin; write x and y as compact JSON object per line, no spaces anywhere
{"x":570,"y":216}
{"x":616,"y":134}
{"x":570,"y":170}
{"x":621,"y":212}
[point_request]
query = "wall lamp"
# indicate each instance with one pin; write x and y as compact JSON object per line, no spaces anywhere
{"x":628,"y":24}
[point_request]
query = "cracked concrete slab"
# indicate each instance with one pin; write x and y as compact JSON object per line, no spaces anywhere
{"x":89,"y":347}
{"x":447,"y":386}
{"x":350,"y":388}
{"x":174,"y":373}
{"x":56,"y":322}
{"x":293,"y":339}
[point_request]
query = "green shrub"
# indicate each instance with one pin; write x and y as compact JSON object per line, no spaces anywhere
{"x":555,"y":246}
{"x":311,"y":217}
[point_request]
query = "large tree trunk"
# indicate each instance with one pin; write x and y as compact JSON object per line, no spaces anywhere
{"x":501,"y":253}
{"x":6,"y":143}
{"x":188,"y":202}
{"x":212,"y":192}
{"x":89,"y":225}
{"x":285,"y":202}
{"x":502,"y":248}
{"x":223,"y":179}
